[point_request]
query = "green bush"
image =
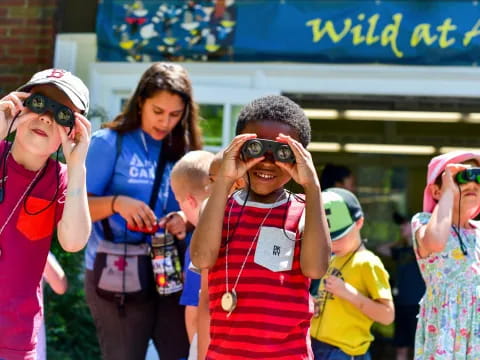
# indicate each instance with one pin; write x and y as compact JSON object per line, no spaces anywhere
{"x":71,"y":334}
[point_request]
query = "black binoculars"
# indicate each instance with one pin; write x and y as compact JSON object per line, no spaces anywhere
{"x":467,"y":175}
{"x":255,"y":148}
{"x":40,"y":104}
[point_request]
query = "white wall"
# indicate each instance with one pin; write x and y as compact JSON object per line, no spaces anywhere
{"x":75,"y":52}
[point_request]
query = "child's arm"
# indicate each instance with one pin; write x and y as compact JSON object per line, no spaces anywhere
{"x":432,"y":237}
{"x":316,"y":244}
{"x":74,"y":227}
{"x":203,"y":318}
{"x":207,"y":236}
{"x":191,"y":321}
{"x":380,"y":310}
{"x":54,"y":275}
{"x":10,"y":105}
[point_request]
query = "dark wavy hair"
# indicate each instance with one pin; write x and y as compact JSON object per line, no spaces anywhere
{"x":276,"y":108}
{"x":331,"y":174}
{"x":161,"y":76}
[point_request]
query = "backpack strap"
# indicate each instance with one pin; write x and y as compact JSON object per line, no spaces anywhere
{"x":107,"y":229}
{"x":161,"y":163}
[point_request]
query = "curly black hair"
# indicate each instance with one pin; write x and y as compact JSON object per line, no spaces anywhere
{"x":276,"y":108}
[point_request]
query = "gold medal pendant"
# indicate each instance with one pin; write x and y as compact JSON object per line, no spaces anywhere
{"x":229,"y":301}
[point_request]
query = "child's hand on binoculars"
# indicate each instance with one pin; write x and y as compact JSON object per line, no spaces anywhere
{"x":10,"y":106}
{"x":302,"y":170}
{"x":233,"y":167}
{"x":448,"y":177}
{"x":75,"y":145}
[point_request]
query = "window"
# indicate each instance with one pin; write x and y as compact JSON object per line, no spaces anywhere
{"x":211,"y":124}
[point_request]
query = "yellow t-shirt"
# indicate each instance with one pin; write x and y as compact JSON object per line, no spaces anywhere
{"x":340,"y":323}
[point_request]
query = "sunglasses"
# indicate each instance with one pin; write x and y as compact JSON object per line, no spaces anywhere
{"x":468,"y":175}
{"x":40,"y":104}
{"x":255,"y":148}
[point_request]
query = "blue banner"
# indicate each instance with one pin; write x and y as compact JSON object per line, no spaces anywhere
{"x":362,"y":31}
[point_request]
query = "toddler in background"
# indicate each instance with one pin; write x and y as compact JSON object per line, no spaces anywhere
{"x":191,"y":186}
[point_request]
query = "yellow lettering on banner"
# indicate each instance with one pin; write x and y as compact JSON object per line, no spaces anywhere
{"x":467,"y":39}
{"x":390,"y":34}
{"x":356,"y":31}
{"x":422,"y":33}
{"x":371,"y":37}
{"x":329,"y":29}
{"x":447,"y":26}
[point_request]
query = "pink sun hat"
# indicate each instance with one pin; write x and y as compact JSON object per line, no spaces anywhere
{"x":437,"y":165}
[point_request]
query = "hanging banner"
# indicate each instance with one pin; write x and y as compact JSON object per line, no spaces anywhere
{"x":382,"y":31}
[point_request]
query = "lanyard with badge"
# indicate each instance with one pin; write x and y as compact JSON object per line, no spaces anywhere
{"x":278,"y":259}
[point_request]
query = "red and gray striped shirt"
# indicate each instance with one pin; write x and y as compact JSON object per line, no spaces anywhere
{"x":273,"y":312}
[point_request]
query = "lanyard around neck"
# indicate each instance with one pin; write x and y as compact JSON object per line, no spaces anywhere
{"x":144,"y":142}
{"x":159,"y":170}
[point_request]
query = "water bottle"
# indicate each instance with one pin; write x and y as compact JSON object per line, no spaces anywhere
{"x":167,"y":267}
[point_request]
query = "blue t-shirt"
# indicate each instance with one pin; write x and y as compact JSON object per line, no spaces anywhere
{"x":132,"y":175}
{"x":191,"y":285}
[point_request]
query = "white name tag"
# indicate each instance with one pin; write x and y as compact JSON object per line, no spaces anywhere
{"x":275,"y":249}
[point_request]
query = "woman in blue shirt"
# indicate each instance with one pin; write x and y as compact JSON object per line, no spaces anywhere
{"x":160,"y":120}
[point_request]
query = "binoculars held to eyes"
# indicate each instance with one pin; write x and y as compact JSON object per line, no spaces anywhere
{"x":40,"y":104}
{"x":255,"y":148}
{"x":470,"y":174}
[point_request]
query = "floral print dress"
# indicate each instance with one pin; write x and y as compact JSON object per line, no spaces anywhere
{"x":449,"y":319}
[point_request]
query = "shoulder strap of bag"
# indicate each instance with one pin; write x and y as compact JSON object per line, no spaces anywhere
{"x":161,"y":163}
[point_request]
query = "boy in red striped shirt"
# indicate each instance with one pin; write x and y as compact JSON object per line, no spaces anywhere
{"x":263,"y":244}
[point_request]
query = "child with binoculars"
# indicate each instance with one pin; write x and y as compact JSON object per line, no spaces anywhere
{"x":35,"y":197}
{"x":263,"y":244}
{"x":446,"y":239}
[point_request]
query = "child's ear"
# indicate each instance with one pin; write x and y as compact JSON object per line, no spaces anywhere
{"x":240,"y":183}
{"x":359,"y":223}
{"x":435,"y":190}
{"x":192,"y":201}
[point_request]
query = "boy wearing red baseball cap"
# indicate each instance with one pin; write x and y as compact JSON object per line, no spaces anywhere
{"x":35,"y":197}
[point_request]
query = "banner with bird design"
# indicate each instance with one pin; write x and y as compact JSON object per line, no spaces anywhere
{"x":342,"y":31}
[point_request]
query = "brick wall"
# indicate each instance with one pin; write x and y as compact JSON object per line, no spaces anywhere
{"x":27,"y":39}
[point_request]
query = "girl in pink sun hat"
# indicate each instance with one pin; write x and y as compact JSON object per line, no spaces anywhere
{"x":447,"y":246}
